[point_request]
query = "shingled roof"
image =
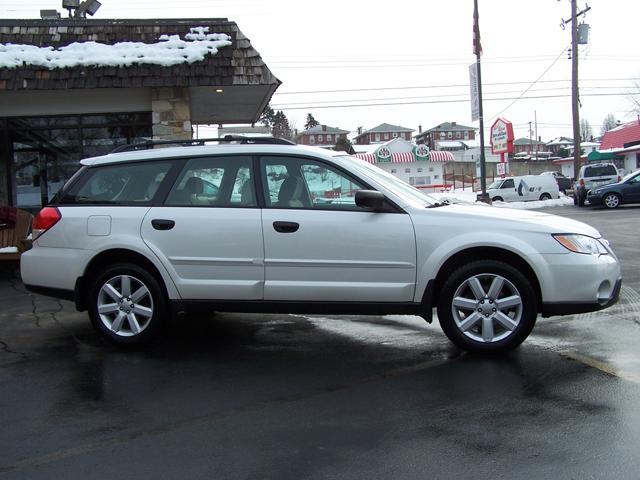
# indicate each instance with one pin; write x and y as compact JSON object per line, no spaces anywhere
{"x":233,"y":65}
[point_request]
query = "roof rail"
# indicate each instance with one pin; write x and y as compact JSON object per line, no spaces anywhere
{"x":201,"y":141}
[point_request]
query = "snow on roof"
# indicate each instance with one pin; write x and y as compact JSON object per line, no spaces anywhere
{"x":450,"y":144}
{"x":169,"y":50}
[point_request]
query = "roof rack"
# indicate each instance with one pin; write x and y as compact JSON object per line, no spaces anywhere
{"x":201,"y":141}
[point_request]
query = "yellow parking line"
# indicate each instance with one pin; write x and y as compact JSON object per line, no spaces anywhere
{"x":602,"y":366}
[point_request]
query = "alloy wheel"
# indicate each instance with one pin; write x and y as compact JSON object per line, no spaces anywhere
{"x":125,"y":305}
{"x":487,"y":308}
{"x":611,"y":201}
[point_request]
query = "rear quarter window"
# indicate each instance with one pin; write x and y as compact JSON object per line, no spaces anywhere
{"x":600,"y":171}
{"x":118,"y":184}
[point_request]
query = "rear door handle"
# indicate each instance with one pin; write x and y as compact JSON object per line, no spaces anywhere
{"x":162,"y":224}
{"x":286,"y":227}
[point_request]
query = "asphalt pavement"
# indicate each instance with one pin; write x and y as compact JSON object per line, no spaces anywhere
{"x":236,"y":396}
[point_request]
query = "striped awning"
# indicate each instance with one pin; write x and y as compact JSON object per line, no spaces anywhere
{"x":408,"y":157}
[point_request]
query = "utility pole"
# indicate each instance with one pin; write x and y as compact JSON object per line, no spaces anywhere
{"x":530,"y":141}
{"x":535,"y":118}
{"x":575,"y":97}
{"x":478,"y":51}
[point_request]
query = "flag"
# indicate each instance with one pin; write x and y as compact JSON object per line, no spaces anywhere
{"x":477,"y":48}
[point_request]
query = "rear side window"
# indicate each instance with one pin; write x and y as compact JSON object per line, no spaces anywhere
{"x":600,"y":171}
{"x":118,"y":184}
{"x":215,"y":182}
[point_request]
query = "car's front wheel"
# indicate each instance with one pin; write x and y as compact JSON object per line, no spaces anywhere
{"x":496,"y":199}
{"x":487,"y":306}
{"x":127,"y":304}
{"x":611,"y":200}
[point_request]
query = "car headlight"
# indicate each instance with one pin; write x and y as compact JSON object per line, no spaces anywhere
{"x":581,"y":244}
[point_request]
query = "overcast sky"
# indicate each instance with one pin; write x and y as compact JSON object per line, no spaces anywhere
{"x":387,"y":47}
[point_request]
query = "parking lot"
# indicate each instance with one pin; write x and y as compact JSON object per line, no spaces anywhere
{"x":238,"y":396}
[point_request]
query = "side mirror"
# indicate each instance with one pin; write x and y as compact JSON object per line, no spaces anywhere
{"x":369,"y":199}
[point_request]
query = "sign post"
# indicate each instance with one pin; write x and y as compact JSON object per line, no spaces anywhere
{"x":502,"y":142}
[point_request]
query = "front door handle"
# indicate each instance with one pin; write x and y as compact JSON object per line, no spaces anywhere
{"x":162,"y":224}
{"x":286,"y":227}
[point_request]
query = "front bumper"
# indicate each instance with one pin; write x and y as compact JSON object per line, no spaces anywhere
{"x":570,"y":308}
{"x":594,"y":199}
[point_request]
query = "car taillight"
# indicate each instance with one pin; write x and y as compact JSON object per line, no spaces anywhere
{"x":581,"y":182}
{"x":44,"y":220}
{"x":619,"y":178}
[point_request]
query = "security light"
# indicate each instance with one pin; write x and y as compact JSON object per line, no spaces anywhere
{"x":49,"y":14}
{"x":88,"y":6}
{"x":70,"y":3}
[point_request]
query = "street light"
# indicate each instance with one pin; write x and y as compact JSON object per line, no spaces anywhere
{"x":88,"y":6}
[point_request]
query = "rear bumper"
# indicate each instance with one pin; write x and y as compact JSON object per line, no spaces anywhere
{"x":570,"y":308}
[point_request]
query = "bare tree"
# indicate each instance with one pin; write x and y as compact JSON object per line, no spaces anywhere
{"x":608,"y":123}
{"x":586,"y":132}
{"x":634,"y":97}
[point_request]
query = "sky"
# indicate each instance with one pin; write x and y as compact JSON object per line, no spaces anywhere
{"x":361,"y":63}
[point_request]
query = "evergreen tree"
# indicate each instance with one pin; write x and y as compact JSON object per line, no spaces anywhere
{"x":280,"y":127}
{"x":344,"y":145}
{"x":311,"y":122}
{"x":267,"y":116}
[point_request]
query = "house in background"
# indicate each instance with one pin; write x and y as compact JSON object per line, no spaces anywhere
{"x":559,"y":147}
{"x":382,"y":133}
{"x":527,"y":145}
{"x":321,"y":136}
{"x":624,"y":143}
{"x":447,"y":131}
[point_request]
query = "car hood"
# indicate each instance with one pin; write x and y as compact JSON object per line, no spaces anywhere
{"x":513,"y":219}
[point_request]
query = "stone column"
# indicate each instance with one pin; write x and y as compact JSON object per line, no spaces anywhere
{"x":171,"y":114}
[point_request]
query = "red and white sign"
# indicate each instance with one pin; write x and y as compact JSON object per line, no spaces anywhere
{"x":502,"y":136}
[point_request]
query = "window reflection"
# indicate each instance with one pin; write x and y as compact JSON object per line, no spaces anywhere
{"x":47,"y":150}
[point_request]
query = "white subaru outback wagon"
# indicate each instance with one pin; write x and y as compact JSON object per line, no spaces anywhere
{"x":270,"y":227}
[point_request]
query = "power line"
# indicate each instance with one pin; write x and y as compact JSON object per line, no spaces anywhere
{"x":532,"y":84}
{"x":464,"y":95}
{"x":465,"y":85}
{"x":452,"y":101}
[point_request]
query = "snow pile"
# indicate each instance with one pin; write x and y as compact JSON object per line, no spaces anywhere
{"x":9,"y":250}
{"x":467,"y":196}
{"x":169,"y":50}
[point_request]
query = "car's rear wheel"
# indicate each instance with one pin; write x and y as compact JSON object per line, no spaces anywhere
{"x":545,"y":196}
{"x":127,"y":304}
{"x":487,"y":306}
{"x":611,"y":200}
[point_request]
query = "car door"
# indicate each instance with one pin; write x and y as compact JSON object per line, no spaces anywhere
{"x":319,"y":246}
{"x":631,"y":190}
{"x":208,"y":232}
{"x":508,"y":191}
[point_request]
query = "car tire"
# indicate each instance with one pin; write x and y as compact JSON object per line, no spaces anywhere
{"x":611,"y":200}
{"x":545,"y":196}
{"x":487,"y":306}
{"x":127,"y":304}
{"x":497,"y":199}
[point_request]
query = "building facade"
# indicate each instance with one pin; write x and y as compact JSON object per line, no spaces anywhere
{"x":444,"y":132}
{"x":382,"y":133}
{"x":75,"y":88}
{"x":322,"y":136}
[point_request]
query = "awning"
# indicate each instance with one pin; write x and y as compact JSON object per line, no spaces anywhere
{"x":597,"y":156}
{"x":409,"y":157}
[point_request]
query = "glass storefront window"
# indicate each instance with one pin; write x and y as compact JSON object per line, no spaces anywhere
{"x":46,"y":151}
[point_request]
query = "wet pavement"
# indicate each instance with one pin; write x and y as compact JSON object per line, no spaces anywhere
{"x":280,"y":396}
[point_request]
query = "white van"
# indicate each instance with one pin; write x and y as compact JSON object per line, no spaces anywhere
{"x":523,"y":188}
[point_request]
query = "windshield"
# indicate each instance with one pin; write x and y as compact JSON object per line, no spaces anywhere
{"x":390,"y":182}
{"x":495,"y":185}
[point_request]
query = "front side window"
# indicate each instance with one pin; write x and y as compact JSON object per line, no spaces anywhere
{"x":118,"y":184}
{"x":508,"y":183}
{"x":214,"y":182}
{"x":291,"y":182}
